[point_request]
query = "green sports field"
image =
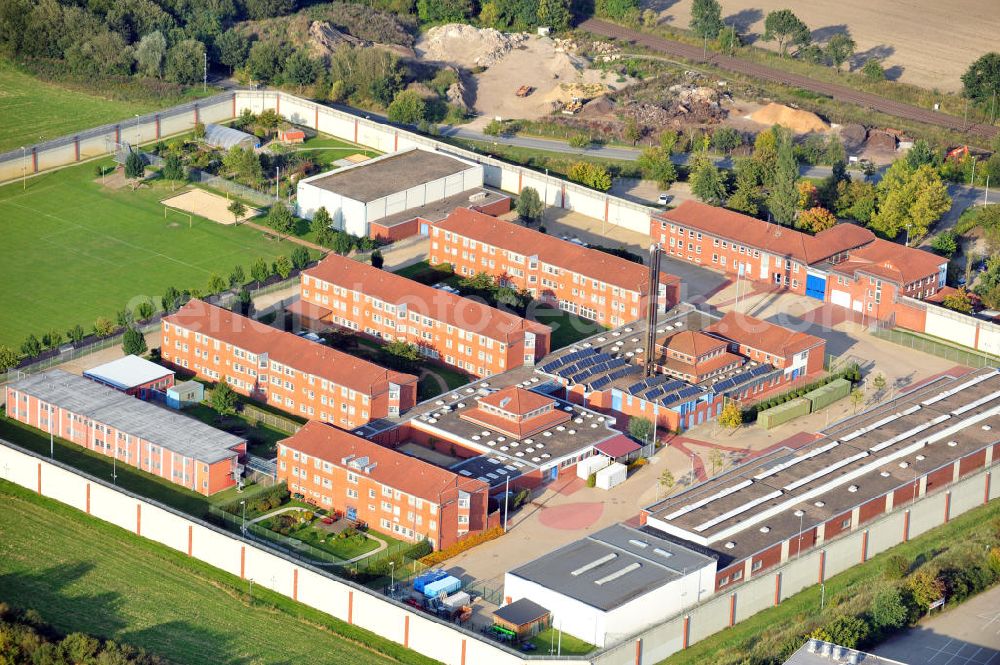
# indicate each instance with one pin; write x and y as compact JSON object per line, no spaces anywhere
{"x":75,"y":250}
{"x":86,"y":575}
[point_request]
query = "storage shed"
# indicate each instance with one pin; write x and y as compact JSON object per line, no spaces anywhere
{"x":133,"y":375}
{"x":612,"y":475}
{"x":589,"y":465}
{"x":224,"y":137}
{"x":185,"y":394}
{"x":524,"y":617}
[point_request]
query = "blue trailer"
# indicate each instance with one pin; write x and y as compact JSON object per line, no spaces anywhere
{"x":427,"y":578}
{"x":446,"y":585}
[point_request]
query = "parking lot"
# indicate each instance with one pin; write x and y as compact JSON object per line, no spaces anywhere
{"x":966,"y":635}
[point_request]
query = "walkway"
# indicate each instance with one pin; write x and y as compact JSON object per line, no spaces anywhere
{"x":381,"y":543}
{"x":290,"y":238}
{"x":434,"y":376}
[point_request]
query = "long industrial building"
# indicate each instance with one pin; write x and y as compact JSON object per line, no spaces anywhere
{"x":760,"y":514}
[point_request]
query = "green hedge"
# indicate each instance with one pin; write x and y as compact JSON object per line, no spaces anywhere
{"x":852,"y":374}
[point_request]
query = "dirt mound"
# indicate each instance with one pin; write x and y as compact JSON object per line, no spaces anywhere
{"x":466,"y":46}
{"x":797,"y":120}
{"x":324,"y":38}
{"x":602,"y":107}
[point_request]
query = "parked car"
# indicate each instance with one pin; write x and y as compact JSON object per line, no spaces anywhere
{"x":665,"y":199}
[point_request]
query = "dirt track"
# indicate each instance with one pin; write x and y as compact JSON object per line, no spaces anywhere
{"x":838,"y":92}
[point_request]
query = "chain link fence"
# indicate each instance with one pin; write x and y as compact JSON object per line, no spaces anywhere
{"x":215,"y":182}
{"x":969,"y":358}
{"x":272,"y":420}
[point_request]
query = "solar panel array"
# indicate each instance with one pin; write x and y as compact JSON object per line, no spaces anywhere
{"x":594,"y":370}
{"x":645,"y":384}
{"x":680,"y":395}
{"x":551,"y":367}
{"x":658,"y":391}
{"x":730,"y":383}
{"x":583,"y":363}
{"x":608,"y":379}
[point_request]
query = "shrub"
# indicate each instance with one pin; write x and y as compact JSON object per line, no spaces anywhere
{"x":462,"y":545}
{"x":592,"y":480}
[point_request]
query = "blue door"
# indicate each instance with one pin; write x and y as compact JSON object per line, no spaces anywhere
{"x":553,"y":473}
{"x":423,"y":228}
{"x":816,"y":287}
{"x":352,"y":513}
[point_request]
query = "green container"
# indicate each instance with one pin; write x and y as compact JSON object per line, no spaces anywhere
{"x":826,"y":395}
{"x":781,"y":414}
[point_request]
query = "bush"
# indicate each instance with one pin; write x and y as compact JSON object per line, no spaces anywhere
{"x":462,"y":545}
{"x":592,"y":480}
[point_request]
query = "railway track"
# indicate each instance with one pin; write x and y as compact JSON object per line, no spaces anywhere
{"x":832,"y":90}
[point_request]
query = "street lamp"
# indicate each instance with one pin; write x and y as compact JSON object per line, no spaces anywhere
{"x":392,"y":578}
{"x":138,"y":136}
{"x":24,"y":169}
{"x":801,"y":514}
{"x":243,"y":527}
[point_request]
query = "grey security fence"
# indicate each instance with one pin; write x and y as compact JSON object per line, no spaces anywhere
{"x":962,"y":356}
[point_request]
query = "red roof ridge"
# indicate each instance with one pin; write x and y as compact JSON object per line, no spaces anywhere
{"x":762,"y":335}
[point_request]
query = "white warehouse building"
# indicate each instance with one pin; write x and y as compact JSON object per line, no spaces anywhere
{"x":385,"y":188}
{"x":613,"y":583}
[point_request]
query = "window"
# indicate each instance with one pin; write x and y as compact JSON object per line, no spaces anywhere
{"x":757,"y":565}
{"x":352,"y":493}
{"x":737,"y":575}
{"x":846,"y":524}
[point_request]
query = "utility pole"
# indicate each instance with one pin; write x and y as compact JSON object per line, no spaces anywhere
{"x":24,"y":168}
{"x":506,"y":496}
{"x":204,"y":79}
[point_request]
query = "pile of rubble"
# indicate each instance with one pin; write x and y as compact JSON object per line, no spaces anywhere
{"x":565,"y":45}
{"x":605,"y":51}
{"x":324,"y":38}
{"x":467,"y":46}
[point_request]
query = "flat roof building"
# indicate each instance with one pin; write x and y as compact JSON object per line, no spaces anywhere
{"x":162,"y":442}
{"x":393,"y":189}
{"x":614,"y":582}
{"x":132,"y":375}
{"x":456,"y":331}
{"x":305,"y":378}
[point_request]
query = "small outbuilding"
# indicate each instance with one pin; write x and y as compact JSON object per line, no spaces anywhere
{"x":133,"y":375}
{"x":220,"y":136}
{"x":185,"y":394}
{"x":524,"y":618}
{"x":291,"y":135}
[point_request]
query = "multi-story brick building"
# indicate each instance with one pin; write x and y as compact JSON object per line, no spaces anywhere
{"x":797,"y":353}
{"x":845,"y":265}
{"x":694,"y":356}
{"x":392,"y":492}
{"x":296,"y":375}
{"x":593,"y":284}
{"x":456,"y":331}
{"x":108,"y":422}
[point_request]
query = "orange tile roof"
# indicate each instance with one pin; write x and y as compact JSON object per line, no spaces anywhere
{"x":518,"y":400}
{"x":764,"y":236}
{"x":286,"y":348}
{"x":893,"y":262}
{"x":425,"y":300}
{"x":691,"y":343}
{"x":763,"y":336}
{"x":394,"y":469}
{"x":592,"y":263}
{"x":701,"y":369}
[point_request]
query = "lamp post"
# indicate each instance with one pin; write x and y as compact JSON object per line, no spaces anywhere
{"x":506,"y":498}
{"x":694,"y":476}
{"x":801,"y":514}
{"x":138,"y":136}
{"x":24,"y":169}
{"x":114,"y":467}
{"x":243,"y":527}
{"x":392,"y":578}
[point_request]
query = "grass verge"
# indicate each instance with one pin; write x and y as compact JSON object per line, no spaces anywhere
{"x":86,"y":575}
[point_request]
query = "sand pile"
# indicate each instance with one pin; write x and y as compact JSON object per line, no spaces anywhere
{"x":466,"y":46}
{"x":797,"y":120}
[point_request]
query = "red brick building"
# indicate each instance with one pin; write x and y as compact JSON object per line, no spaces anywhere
{"x":593,"y":284}
{"x":845,"y":265}
{"x":694,"y":356}
{"x":304,"y":378}
{"x":798,"y":353}
{"x":108,"y":422}
{"x":394,"y":493}
{"x":456,"y":331}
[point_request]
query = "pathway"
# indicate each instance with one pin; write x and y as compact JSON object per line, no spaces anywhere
{"x":381,"y":543}
{"x":298,"y":241}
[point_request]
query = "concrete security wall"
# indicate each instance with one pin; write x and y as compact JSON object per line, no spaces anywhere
{"x":247,"y":560}
{"x":954,"y":326}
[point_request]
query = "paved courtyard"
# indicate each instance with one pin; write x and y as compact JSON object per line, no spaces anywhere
{"x":966,"y":635}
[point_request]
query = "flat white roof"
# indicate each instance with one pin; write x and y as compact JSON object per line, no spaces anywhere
{"x":128,"y":372}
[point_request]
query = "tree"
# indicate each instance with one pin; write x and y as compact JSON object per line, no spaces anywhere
{"x":666,"y":480}
{"x":848,"y":631}
{"x":377,"y":260}
{"x":264,"y":60}
{"x":921,"y":153}
{"x":490,"y":17}
{"x":765,"y":154}
{"x":715,"y":459}
{"x":259,"y":270}
{"x":237,"y":209}
{"x":945,"y":243}
{"x":808,"y":195}
{"x":982,"y":80}
{"x":911,"y":199}
{"x":261,"y":9}
{"x":31,"y":347}
{"x":706,"y":18}
{"x":554,"y":14}
{"x":958,"y":301}
{"x":223,"y":398}
{"x":401,"y":354}
{"x":839,"y":49}
{"x":135,"y":167}
{"x":872,"y":71}
{"x":856,"y":200}
{"x":133,"y":342}
{"x":283,"y":266}
{"x":173,"y":168}
{"x":300,"y":70}
{"x":186,"y":62}
{"x":816,"y":219}
{"x":656,"y":165}
{"x":443,"y":11}
{"x":300,"y":257}
{"x":618,"y":10}
{"x":784,"y":27}
{"x":279,"y":218}
{"x":341,"y":243}
{"x":237,"y":277}
{"x":590,"y":175}
{"x":726,"y":139}
{"x":879,"y":382}
{"x":103,"y":327}
{"x":143,"y":311}
{"x":731,"y":417}
{"x":52,"y":339}
{"x":887,"y":610}
{"x":216,"y":284}
{"x":232,"y":47}
{"x":150,"y":53}
{"x":529,"y":205}
{"x":640,"y":429}
{"x":632,"y":131}
{"x":783,"y":195}
{"x":707,"y":182}
{"x":857,"y":396}
{"x":76,"y":334}
{"x":407,"y":108}
{"x":8,"y":358}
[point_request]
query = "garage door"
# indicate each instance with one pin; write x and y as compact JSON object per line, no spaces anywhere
{"x":816,"y":287}
{"x":842,"y":298}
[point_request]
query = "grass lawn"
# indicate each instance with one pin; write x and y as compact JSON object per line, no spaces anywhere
{"x":86,"y":575}
{"x":732,"y":644}
{"x":566,"y":328}
{"x":35,"y":110}
{"x":313,"y":534}
{"x":566,"y":645}
{"x":262,"y":440}
{"x":325,"y":150}
{"x":85,"y":251}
